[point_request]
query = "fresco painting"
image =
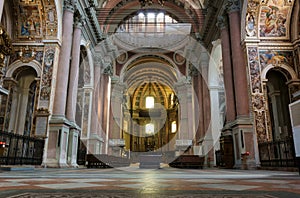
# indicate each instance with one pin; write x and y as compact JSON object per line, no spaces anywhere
{"x":29,"y":21}
{"x":273,"y":19}
{"x":275,"y":57}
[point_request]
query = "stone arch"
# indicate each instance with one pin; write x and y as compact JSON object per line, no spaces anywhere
{"x":17,"y":64}
{"x":216,"y":89}
{"x":133,"y":58}
{"x":59,"y":11}
{"x":90,"y":61}
{"x":289,"y":73}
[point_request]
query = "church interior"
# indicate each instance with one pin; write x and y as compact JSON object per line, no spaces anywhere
{"x":217,"y":79}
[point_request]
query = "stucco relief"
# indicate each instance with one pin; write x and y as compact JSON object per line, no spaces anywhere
{"x":26,"y":54}
{"x":51,"y":19}
{"x":46,"y":80}
{"x":251,"y":18}
{"x":254,"y":68}
{"x":257,"y":96}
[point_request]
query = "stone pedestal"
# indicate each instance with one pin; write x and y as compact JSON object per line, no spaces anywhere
{"x":116,"y":146}
{"x":73,"y":145}
{"x":243,"y":142}
{"x":226,"y":148}
{"x":57,"y":143}
{"x":95,"y":144}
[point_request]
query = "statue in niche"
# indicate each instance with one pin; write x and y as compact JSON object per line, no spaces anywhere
{"x":251,"y":26}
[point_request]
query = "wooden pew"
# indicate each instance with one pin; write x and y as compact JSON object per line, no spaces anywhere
{"x":188,"y":161}
{"x":105,"y":161}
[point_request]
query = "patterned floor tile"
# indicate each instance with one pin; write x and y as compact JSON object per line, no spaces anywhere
{"x":12,"y":184}
{"x":228,"y":186}
{"x":68,"y":185}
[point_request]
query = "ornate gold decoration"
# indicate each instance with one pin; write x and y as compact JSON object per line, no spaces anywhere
{"x":27,"y":54}
{"x":5,"y":42}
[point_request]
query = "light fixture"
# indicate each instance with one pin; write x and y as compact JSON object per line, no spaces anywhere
{"x":150,"y":98}
{"x":149,"y":129}
{"x":150,"y":2}
{"x":174,"y":127}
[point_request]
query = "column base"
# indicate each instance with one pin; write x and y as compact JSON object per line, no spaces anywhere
{"x":57,"y":143}
{"x":54,"y":164}
{"x":73,"y":145}
{"x":94,"y":144}
{"x":244,"y":143}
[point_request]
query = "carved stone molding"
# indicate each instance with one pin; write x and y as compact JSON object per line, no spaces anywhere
{"x":78,"y":20}
{"x":5,"y":42}
{"x":69,"y":5}
{"x":222,"y":22}
{"x":233,"y":6}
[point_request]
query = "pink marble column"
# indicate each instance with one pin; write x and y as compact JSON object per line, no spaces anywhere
{"x":238,"y":60}
{"x":74,"y":72}
{"x":227,"y":70}
{"x":201,"y":107}
{"x":62,"y":77}
{"x":95,"y":113}
{"x":1,"y":8}
{"x":105,"y":102}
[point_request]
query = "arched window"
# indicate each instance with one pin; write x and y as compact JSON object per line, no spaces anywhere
{"x":152,"y":21}
{"x":149,"y":129}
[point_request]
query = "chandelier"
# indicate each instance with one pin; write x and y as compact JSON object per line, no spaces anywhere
{"x":150,"y":2}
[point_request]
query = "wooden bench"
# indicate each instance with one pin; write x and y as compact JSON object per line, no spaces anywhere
{"x":188,"y":161}
{"x":150,"y":161}
{"x":106,"y":161}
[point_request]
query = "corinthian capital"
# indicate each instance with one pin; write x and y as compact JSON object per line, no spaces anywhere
{"x":221,"y":22}
{"x":78,"y":20}
{"x":69,"y":5}
{"x":233,"y":6}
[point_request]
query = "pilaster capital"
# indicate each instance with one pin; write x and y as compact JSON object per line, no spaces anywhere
{"x":78,"y":20}
{"x":69,"y":5}
{"x":222,"y":22}
{"x":108,"y":70}
{"x":233,"y":6}
{"x":98,"y":60}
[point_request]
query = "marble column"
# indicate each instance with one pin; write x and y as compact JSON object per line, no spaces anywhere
{"x":116,"y":143}
{"x":72,"y":95}
{"x":57,"y":142}
{"x":62,"y":78}
{"x":238,"y":60}
{"x":95,"y":138}
{"x":227,"y":70}
{"x":185,"y":134}
{"x":1,"y":8}
{"x":242,"y":129}
{"x":74,"y":73}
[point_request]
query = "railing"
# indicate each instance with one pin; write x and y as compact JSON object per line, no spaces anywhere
{"x":18,"y":149}
{"x":277,"y":153}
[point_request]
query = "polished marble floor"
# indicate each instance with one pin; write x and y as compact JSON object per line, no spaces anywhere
{"x":135,"y":182}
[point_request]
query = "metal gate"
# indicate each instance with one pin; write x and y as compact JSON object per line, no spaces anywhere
{"x":277,"y":153}
{"x":18,"y":149}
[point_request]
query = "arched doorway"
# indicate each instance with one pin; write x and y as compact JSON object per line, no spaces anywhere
{"x":23,"y":101}
{"x":279,"y":150}
{"x":278,"y":101}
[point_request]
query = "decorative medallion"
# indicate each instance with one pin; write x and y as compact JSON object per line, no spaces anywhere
{"x":123,"y":57}
{"x":178,"y":57}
